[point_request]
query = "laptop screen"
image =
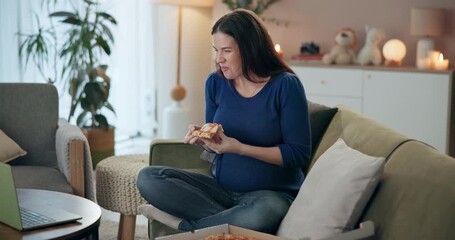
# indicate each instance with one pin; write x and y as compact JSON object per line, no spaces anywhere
{"x":9,"y":204}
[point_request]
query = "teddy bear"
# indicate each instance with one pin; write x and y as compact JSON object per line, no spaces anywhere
{"x":370,"y":53}
{"x":343,"y":50}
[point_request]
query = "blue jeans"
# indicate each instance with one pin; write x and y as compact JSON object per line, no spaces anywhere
{"x":201,"y":202}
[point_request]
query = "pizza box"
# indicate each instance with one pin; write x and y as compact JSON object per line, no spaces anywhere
{"x":225,"y":228}
{"x":365,"y":231}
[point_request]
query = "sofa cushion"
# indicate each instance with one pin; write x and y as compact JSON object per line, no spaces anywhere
{"x":334,"y":194}
{"x":9,"y":149}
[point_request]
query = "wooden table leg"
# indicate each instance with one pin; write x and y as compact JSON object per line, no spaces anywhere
{"x":126,"y":227}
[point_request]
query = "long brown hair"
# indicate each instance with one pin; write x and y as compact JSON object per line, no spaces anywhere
{"x":256,"y":47}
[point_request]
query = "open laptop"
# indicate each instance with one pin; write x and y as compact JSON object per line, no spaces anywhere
{"x":26,"y":216}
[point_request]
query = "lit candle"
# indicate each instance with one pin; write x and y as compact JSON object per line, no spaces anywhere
{"x":433,"y":56}
{"x":441,"y":63}
{"x":278,"y":50}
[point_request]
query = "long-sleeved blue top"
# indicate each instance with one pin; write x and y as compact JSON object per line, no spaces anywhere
{"x":276,"y":116}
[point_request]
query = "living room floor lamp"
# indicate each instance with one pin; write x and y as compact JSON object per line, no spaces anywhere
{"x":426,"y":22}
{"x":173,"y":116}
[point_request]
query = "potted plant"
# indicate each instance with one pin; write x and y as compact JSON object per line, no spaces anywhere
{"x":257,"y":6}
{"x":76,"y":55}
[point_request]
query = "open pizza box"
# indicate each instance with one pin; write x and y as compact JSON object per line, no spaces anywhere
{"x":225,"y":228}
{"x":365,"y":231}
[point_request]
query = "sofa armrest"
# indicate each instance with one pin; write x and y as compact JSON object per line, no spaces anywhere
{"x":74,"y":160}
{"x":176,"y":153}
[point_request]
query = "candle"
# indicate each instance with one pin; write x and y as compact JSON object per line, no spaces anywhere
{"x":441,"y":63}
{"x":433,"y":56}
{"x":278,"y":50}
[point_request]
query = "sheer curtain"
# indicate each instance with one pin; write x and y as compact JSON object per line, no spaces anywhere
{"x":130,"y":64}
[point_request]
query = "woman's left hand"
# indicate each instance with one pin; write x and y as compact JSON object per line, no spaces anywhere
{"x":221,"y":143}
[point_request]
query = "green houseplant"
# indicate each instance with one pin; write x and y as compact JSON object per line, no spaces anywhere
{"x":257,"y":6}
{"x":72,"y":46}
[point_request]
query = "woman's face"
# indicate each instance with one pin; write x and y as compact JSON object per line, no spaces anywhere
{"x":227,"y":55}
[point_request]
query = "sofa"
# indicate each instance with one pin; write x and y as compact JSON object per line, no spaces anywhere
{"x":414,"y":197}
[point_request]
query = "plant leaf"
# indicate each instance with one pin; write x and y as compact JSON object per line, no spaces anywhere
{"x":107,"y":17}
{"x":102,"y":121}
{"x":109,"y":106}
{"x":107,"y":31}
{"x":72,"y":20}
{"x":63,"y":14}
{"x":81,"y":119}
{"x":103,"y":44}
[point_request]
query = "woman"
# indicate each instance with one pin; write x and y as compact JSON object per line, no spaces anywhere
{"x":263,"y":141}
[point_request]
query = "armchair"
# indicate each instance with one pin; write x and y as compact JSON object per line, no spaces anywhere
{"x":58,"y":155}
{"x":174,"y":153}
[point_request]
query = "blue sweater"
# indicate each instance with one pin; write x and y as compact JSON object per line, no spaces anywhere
{"x":276,"y":116}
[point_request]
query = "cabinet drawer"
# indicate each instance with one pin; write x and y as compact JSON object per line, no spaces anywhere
{"x":332,"y":82}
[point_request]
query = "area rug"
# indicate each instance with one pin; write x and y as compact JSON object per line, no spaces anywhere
{"x":108,"y":231}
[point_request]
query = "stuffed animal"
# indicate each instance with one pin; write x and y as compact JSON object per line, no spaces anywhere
{"x":370,"y":53}
{"x":343,"y":50}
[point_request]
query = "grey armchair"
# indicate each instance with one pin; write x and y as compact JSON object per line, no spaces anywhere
{"x":58,"y":155}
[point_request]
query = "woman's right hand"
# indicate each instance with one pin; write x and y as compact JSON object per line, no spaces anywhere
{"x":189,"y":138}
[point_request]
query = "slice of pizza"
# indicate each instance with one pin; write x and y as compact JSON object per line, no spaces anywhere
{"x":207,"y":131}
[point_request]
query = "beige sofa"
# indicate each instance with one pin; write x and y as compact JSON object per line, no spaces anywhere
{"x":414,"y":200}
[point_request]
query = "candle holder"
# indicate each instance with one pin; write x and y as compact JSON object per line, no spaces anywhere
{"x":441,"y":63}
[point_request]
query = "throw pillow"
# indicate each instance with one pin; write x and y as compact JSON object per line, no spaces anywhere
{"x":9,"y":150}
{"x":320,"y":118}
{"x":334,"y":194}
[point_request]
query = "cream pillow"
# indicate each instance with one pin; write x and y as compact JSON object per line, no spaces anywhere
{"x":9,"y":150}
{"x":334,"y":194}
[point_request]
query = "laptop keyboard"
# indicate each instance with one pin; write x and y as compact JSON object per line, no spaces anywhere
{"x":31,"y":218}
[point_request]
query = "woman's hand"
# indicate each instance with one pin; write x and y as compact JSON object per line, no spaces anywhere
{"x":189,"y":138}
{"x":221,"y":143}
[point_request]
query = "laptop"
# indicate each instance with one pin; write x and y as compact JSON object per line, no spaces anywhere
{"x":26,"y":215}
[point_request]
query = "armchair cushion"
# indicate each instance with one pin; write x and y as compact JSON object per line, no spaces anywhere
{"x":30,"y":118}
{"x":37,"y":177}
{"x":9,"y":149}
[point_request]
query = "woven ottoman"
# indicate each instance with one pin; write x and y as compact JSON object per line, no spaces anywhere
{"x":116,"y":189}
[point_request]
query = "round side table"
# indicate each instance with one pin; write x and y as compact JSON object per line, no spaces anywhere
{"x":87,"y":227}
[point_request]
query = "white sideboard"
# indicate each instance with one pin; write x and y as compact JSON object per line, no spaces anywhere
{"x":414,"y":102}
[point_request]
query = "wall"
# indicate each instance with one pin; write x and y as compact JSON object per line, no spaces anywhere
{"x":196,"y":60}
{"x":318,"y":20}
